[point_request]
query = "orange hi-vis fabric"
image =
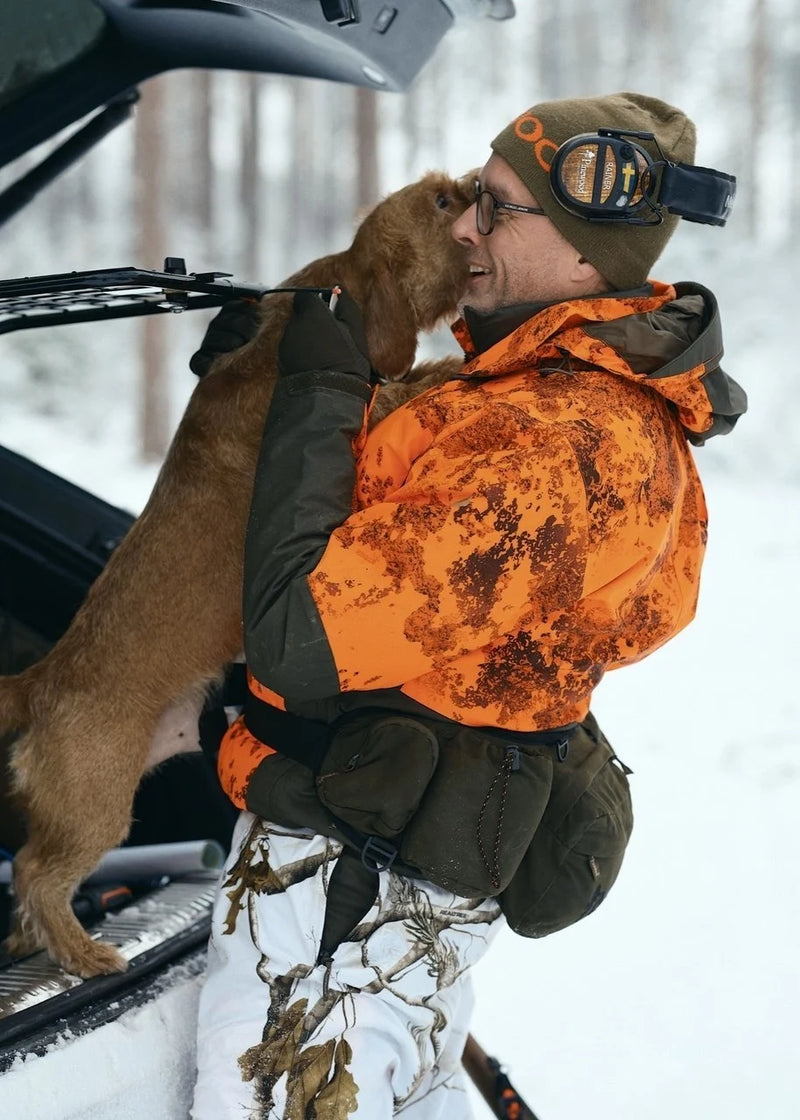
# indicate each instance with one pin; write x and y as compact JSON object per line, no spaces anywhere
{"x":519,"y":531}
{"x":528,"y":525}
{"x":240,"y":753}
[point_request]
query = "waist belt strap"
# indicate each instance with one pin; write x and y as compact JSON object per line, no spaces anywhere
{"x":304,"y":740}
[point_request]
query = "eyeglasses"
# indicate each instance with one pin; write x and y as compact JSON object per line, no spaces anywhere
{"x":487,"y":205}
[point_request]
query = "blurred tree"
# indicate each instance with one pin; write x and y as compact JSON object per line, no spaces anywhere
{"x":196,"y":102}
{"x":791,"y":83}
{"x":251,"y":259}
{"x":368,"y":186}
{"x":640,"y":19}
{"x":150,"y":198}
{"x":553,"y":42}
{"x":588,"y":48}
{"x":299,"y":226}
{"x":759,"y":68}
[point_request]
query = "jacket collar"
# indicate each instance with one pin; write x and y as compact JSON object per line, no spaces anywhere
{"x":667,"y":338}
{"x":487,"y":328}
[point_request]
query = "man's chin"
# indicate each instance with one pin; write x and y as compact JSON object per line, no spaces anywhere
{"x":477,"y":301}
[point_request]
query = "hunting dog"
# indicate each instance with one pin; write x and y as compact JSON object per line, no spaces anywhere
{"x":123,"y":687}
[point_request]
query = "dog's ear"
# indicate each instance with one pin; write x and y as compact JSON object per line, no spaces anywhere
{"x":390,"y":324}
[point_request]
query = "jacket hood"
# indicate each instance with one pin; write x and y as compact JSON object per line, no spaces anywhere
{"x":666,"y":337}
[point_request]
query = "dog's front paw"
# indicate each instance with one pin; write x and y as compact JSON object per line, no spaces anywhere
{"x":93,"y":959}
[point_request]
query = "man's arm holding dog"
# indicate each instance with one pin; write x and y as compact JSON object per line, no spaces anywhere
{"x":235,"y":324}
{"x":303,"y":490}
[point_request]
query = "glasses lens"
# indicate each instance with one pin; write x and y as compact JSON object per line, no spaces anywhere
{"x":484,"y":212}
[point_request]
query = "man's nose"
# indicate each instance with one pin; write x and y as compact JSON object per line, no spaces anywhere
{"x":465,"y":228}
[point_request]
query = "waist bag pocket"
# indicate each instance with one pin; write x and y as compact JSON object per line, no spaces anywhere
{"x":577,"y":851}
{"x":282,"y":790}
{"x":478,"y":813}
{"x":375,"y":772}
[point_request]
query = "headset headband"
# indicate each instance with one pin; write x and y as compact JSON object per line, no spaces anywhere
{"x":606,"y":177}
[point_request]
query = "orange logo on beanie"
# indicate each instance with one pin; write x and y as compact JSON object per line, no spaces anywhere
{"x":530,"y":129}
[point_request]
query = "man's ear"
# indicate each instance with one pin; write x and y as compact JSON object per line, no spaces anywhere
{"x":586,"y":277}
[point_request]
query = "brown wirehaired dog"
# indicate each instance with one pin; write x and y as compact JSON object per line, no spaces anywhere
{"x":123,"y":687}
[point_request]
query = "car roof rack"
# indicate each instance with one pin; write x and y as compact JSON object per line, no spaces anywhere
{"x":119,"y":293}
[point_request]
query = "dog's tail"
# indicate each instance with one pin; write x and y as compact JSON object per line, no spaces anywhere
{"x":14,"y":703}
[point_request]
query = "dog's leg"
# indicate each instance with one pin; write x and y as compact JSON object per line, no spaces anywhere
{"x":73,"y":820}
{"x":44,"y":919}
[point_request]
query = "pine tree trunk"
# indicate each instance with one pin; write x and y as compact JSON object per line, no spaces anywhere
{"x":250,"y":187}
{"x":554,"y":82}
{"x":149,"y":164}
{"x":792,"y":86}
{"x":300,"y":227}
{"x":199,"y":177}
{"x":367,"y":170}
{"x":759,"y":62}
{"x":588,"y":49}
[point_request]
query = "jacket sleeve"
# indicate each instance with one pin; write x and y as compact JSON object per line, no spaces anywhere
{"x":303,"y":490}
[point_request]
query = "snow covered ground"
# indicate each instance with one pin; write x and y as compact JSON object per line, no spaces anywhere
{"x":140,"y":1067}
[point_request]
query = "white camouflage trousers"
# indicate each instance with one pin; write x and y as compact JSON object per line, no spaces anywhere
{"x":377,"y":1031}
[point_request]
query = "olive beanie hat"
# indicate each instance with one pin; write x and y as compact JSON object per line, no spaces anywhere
{"x":622,"y":253}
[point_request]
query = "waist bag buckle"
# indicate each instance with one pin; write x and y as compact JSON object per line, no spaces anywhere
{"x":378,"y":854}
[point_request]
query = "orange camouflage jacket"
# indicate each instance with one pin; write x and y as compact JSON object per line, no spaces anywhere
{"x":516,"y":531}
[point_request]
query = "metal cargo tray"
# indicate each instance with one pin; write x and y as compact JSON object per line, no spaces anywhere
{"x":38,"y":1000}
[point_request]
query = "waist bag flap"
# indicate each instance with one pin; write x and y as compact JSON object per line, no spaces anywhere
{"x":282,"y":790}
{"x":375,"y":772}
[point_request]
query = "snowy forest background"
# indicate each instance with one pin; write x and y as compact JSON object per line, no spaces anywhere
{"x":254,"y":175}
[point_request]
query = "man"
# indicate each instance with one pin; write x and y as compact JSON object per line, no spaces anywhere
{"x":515,"y":532}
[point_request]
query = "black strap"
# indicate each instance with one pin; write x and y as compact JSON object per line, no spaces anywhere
{"x":555,"y":737}
{"x":307,"y":740}
{"x":304,"y":740}
{"x":212,"y":722}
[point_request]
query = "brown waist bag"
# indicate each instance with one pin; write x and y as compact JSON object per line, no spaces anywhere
{"x":541,"y":822}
